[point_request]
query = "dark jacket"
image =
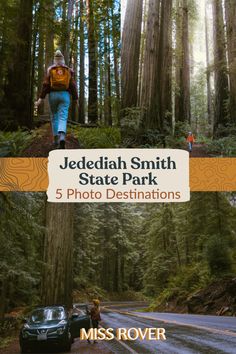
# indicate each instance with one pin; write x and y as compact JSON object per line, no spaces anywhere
{"x":47,"y":87}
{"x":95,"y":314}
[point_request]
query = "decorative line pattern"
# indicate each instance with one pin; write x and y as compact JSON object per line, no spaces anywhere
{"x":23,"y":174}
{"x":212,"y":174}
{"x":30,"y":174}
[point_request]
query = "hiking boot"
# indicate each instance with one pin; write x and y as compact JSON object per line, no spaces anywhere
{"x":62,"y":144}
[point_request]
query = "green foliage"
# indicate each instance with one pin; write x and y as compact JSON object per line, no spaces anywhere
{"x":187,"y":245}
{"x":13,"y":143}
{"x":5,"y":342}
{"x":98,"y":138}
{"x":181,"y":129}
{"x":223,"y":147}
{"x":21,"y":237}
{"x":218,"y":256}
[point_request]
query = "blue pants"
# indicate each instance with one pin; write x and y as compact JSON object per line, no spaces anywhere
{"x":190,"y":146}
{"x":59,"y":104}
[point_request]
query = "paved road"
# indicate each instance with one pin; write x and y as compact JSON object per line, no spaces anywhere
{"x":185,"y":333}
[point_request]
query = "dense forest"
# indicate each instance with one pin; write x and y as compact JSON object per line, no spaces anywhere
{"x":87,"y":33}
{"x":179,"y":66}
{"x":159,"y":251}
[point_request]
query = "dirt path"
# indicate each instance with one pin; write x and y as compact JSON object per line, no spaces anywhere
{"x":199,"y":150}
{"x":43,"y":143}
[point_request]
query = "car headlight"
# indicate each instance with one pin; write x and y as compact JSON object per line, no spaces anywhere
{"x":26,"y":326}
{"x":61,"y":330}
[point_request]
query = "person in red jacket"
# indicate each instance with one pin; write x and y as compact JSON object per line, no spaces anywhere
{"x":60,"y":85}
{"x":190,"y":140}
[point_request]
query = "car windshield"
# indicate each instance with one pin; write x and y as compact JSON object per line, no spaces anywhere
{"x":48,"y":314}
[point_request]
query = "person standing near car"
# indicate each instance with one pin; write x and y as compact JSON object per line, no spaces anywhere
{"x":95,"y":314}
{"x":60,"y":85}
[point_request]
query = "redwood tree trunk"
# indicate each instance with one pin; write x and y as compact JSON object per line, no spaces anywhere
{"x":185,"y":82}
{"x":230,"y":11}
{"x":220,"y":66}
{"x":92,"y":48}
{"x":81,"y":65}
{"x":165,"y":65}
{"x":150,"y":82}
{"x":182,"y":96}
{"x":209,"y":93}
{"x":130,"y":51}
{"x":58,"y":246}
{"x":20,"y":75}
{"x":115,"y":41}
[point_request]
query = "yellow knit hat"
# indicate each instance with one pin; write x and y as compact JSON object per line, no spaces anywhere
{"x":96,"y":302}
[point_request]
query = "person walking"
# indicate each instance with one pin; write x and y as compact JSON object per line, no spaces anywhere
{"x":190,"y":140}
{"x":60,"y":85}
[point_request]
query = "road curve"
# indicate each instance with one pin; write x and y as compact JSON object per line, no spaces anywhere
{"x":185,"y":333}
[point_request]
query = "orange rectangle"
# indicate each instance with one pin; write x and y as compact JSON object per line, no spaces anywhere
{"x":30,"y":174}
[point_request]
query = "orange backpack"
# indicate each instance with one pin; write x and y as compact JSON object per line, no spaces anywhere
{"x":60,"y":78}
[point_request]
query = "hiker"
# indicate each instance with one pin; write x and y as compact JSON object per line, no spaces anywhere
{"x":190,"y":140}
{"x":95,"y":315}
{"x":59,"y":84}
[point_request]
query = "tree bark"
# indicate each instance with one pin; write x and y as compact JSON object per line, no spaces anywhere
{"x":130,"y":51}
{"x":185,"y":82}
{"x":220,"y":68}
{"x":58,"y":255}
{"x":107,"y":64}
{"x":81,"y":65}
{"x":68,"y":30}
{"x":150,"y":82}
{"x":49,"y":43}
{"x":92,"y":48}
{"x":230,"y":12}
{"x":41,"y":51}
{"x":116,"y":64}
{"x":165,"y":66}
{"x":20,"y":98}
{"x":208,"y":75}
{"x":182,"y":97}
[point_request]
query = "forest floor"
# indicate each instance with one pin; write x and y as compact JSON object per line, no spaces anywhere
{"x":43,"y":143}
{"x":199,"y":150}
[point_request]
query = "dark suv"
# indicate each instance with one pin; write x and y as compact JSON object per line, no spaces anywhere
{"x":52,"y":326}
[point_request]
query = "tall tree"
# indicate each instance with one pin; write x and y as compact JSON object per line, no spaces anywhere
{"x":230,"y":12}
{"x":19,"y":84}
{"x":165,"y":65}
{"x":220,"y":68}
{"x":107,"y":65}
{"x":93,"y":85}
{"x":81,"y":65}
{"x":116,"y":55}
{"x":58,"y":255}
{"x":208,"y":76}
{"x":131,"y":37}
{"x":149,"y":87}
{"x":182,"y":96}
